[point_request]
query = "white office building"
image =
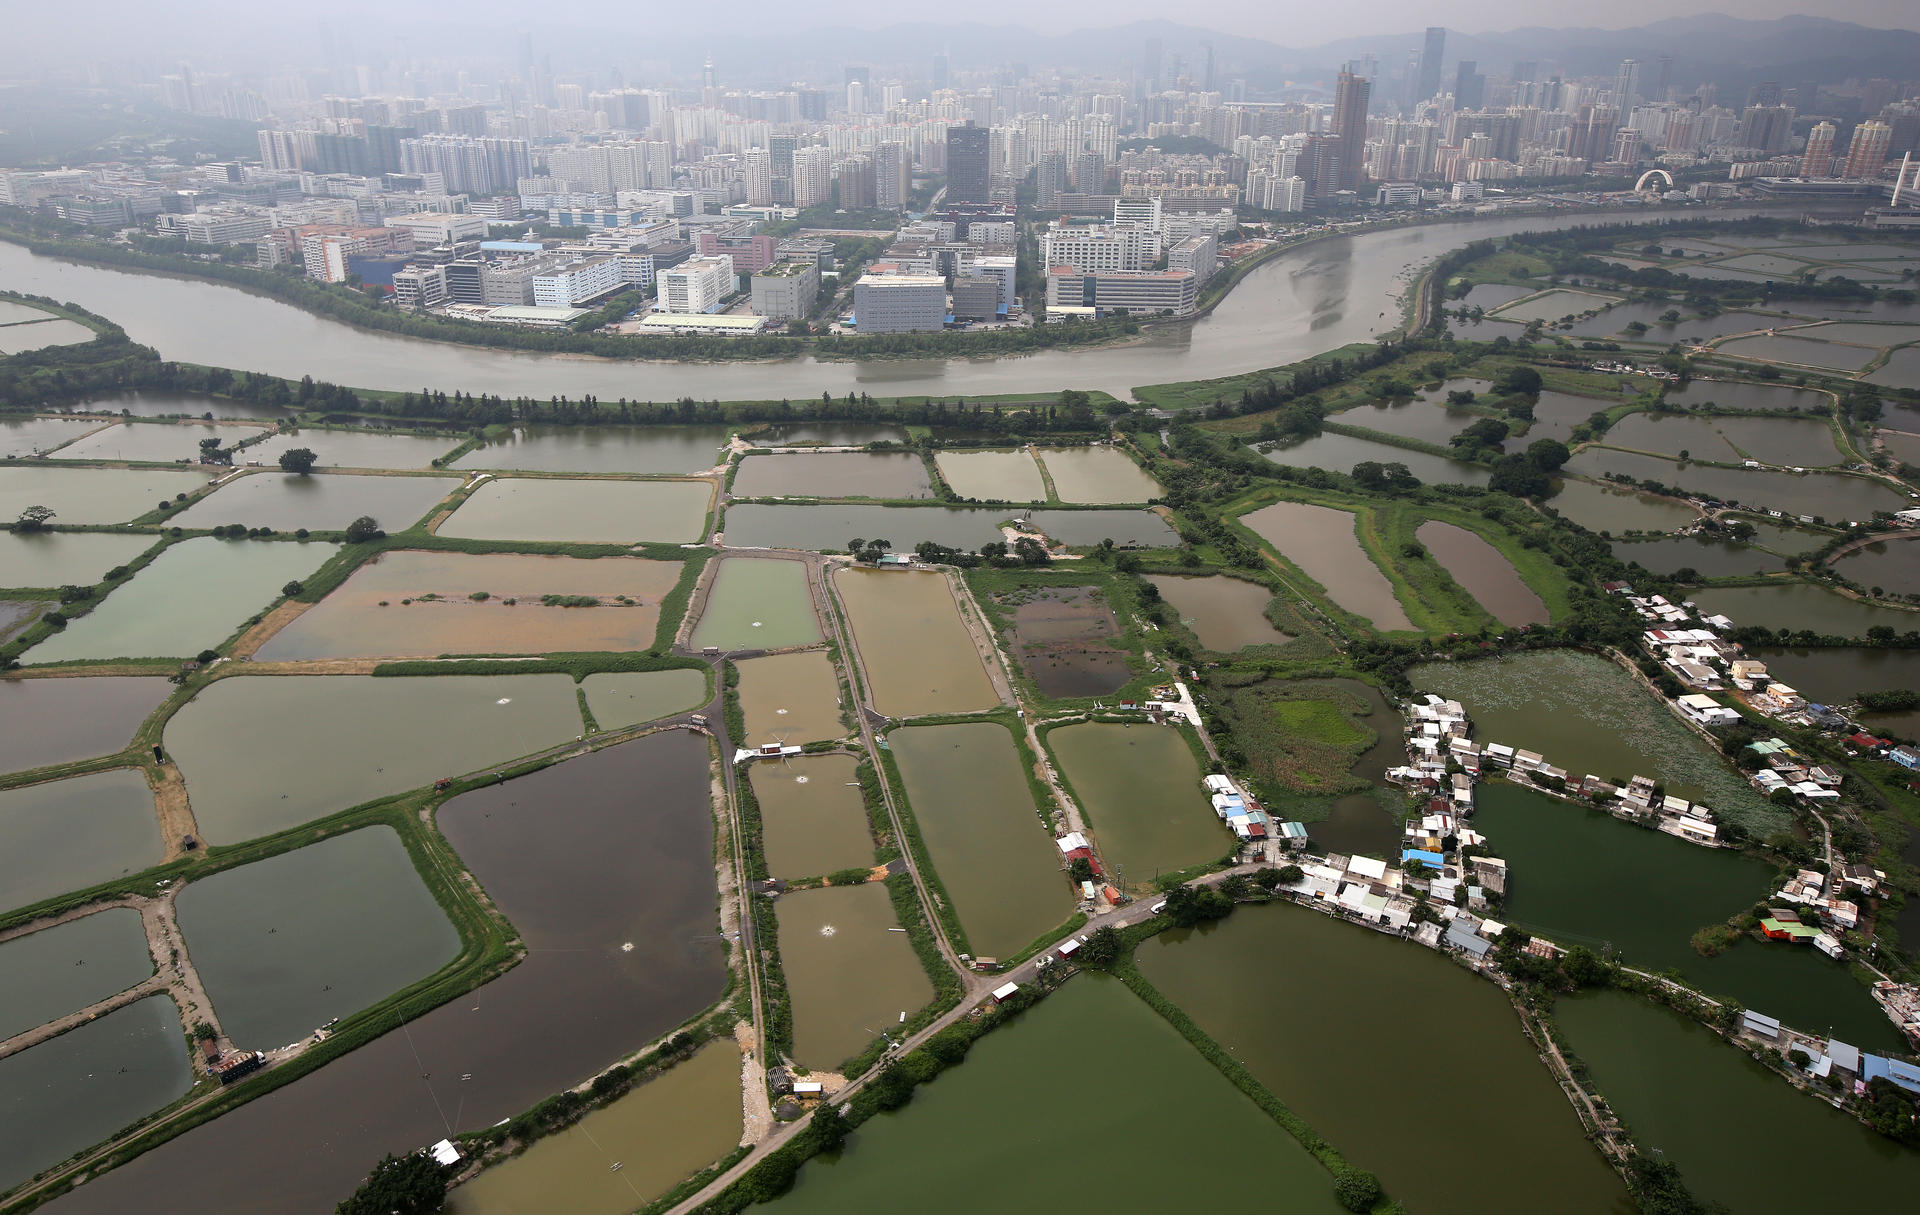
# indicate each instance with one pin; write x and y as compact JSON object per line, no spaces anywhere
{"x":696,"y":285}
{"x":1134,"y":292}
{"x":900,"y":303}
{"x":1096,"y":247}
{"x":577,"y":283}
{"x":1002,"y":270}
{"x":1142,"y":211}
{"x":421,"y":286}
{"x":1199,"y":254}
{"x":431,"y":228}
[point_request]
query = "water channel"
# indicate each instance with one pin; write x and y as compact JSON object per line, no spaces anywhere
{"x":1312,"y":299}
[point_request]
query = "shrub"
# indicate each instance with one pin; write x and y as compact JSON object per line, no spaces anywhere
{"x":1357,"y":1189}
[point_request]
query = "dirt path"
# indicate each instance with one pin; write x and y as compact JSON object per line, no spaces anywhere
{"x":275,"y":620}
{"x":984,"y":644}
{"x":175,"y":812}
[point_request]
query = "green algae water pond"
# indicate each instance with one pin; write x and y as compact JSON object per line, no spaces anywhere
{"x":758,"y":603}
{"x":1333,"y":1018}
{"x":1140,"y":788}
{"x":1021,"y":1112}
{"x":1707,"y":1107}
{"x":1571,"y":868}
{"x":975,"y":810}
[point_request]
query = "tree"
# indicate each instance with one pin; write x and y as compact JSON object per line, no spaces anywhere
{"x":292,"y":588}
{"x":298,"y":460}
{"x":1357,"y":1189}
{"x":1548,"y":455}
{"x":1520,"y":380}
{"x":1189,"y":905}
{"x":1102,"y":948}
{"x":399,"y":1185}
{"x":1487,"y":432}
{"x":363,"y":529}
{"x":33,"y":519}
{"x":1031,"y":551}
{"x":1515,"y":474}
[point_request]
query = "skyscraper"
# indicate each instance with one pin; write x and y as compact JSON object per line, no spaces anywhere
{"x":1665,"y":81}
{"x":1350,"y":97}
{"x":812,"y":176}
{"x":1469,"y":86}
{"x":1868,"y":150}
{"x":1626,"y":86}
{"x":1818,"y":162}
{"x":968,"y":152}
{"x":757,"y":174}
{"x":1436,"y":46}
{"x":1150,"y":66}
{"x":892,"y":175}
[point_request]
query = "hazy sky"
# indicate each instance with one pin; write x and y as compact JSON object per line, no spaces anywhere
{"x":141,"y":27}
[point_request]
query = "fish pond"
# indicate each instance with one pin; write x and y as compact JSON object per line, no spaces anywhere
{"x":1339,"y":453}
{"x":626,"y":1154}
{"x":262,"y":753}
{"x":1321,"y":542}
{"x":993,"y":476}
{"x":56,"y":721}
{"x":1568,"y":863}
{"x":1226,"y":614}
{"x":1696,"y":1100}
{"x":1318,"y":1011}
{"x":68,"y":834}
{"x":33,"y":436}
{"x":827,"y":434}
{"x":1096,"y":475}
{"x":1802,"y":605}
{"x":319,"y":502}
{"x":588,"y":512}
{"x":56,"y":559}
{"x":1590,"y":717}
{"x":917,"y":654}
{"x":758,"y":604}
{"x":1837,"y":676}
{"x":72,"y":1091}
{"x":1738,"y":394}
{"x":1891,"y":565}
{"x":1820,"y":495}
{"x":813,"y":818}
{"x":420,"y":604}
{"x":643,"y":450}
{"x":833,"y":474}
{"x":89,"y":496}
{"x":850,"y":970}
{"x":158,"y":442}
{"x":963,"y":1128}
{"x":48,"y":974}
{"x":1139,"y":786}
{"x":1804,"y":442}
{"x":1610,"y":511}
{"x":357,"y":448}
{"x":1065,"y":639}
{"x":619,"y":699}
{"x":1707,"y":557}
{"x":191,"y":598}
{"x":970,"y":796}
{"x":793,"y":698}
{"x":286,"y":944}
{"x":1484,"y":572}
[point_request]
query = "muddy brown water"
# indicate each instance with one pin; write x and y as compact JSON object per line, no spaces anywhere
{"x":917,"y":654}
{"x":587,"y":512}
{"x":1484,"y":572}
{"x":601,"y":449}
{"x":993,"y":476}
{"x":369,"y":615}
{"x":794,"y":698}
{"x":67,"y":834}
{"x":56,"y":721}
{"x":813,"y":817}
{"x":833,"y":474}
{"x":610,"y":849}
{"x":286,"y":944}
{"x":1097,"y":475}
{"x":1062,"y":636}
{"x":48,"y":974}
{"x":1226,"y":614}
{"x":1321,"y":541}
{"x":626,"y":1154}
{"x":849,"y":972}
